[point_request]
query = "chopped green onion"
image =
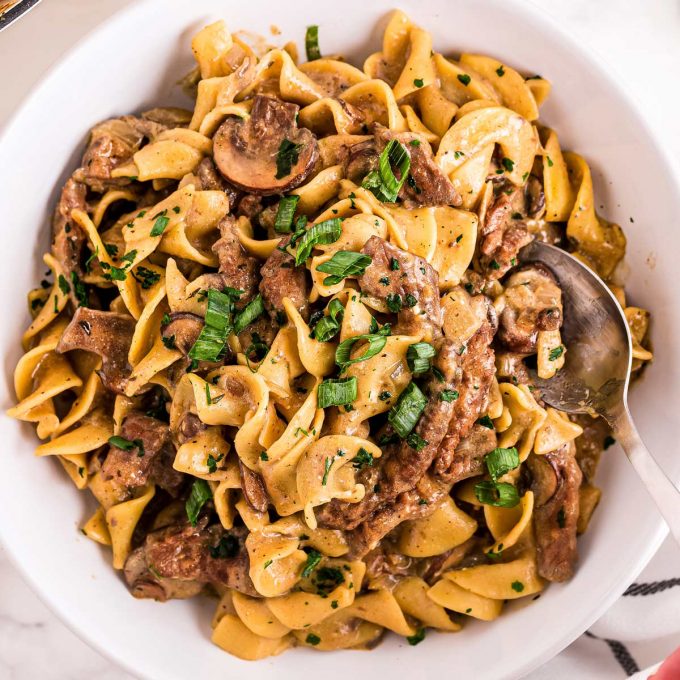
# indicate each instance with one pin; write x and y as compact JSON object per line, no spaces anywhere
{"x":556,"y":353}
{"x":160,"y":224}
{"x":285,"y":214}
{"x":464,"y":78}
{"x":383,"y":182}
{"x":253,"y":310}
{"x":313,"y":559}
{"x":517,"y":586}
{"x":500,"y":461}
{"x":312,"y":43}
{"x":218,"y":325}
{"x":227,"y":547}
{"x":286,"y":157}
{"x":344,"y":263}
{"x":376,"y":342}
{"x":485,"y":421}
{"x":322,"y":233}
{"x":448,"y":395}
{"x":416,"y":639}
{"x":500,"y":495}
{"x":127,"y":444}
{"x":312,"y":639}
{"x":146,"y":277}
{"x":418,"y":357}
{"x":362,"y":459}
{"x":394,"y":303}
{"x":200,"y":494}
{"x":404,"y":415}
{"x":508,"y":164}
{"x":329,"y":325}
{"x":336,"y":392}
{"x":415,"y":441}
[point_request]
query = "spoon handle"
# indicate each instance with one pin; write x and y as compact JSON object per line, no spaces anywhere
{"x":664,"y":493}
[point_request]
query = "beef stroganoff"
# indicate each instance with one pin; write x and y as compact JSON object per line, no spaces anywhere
{"x":287,"y":345}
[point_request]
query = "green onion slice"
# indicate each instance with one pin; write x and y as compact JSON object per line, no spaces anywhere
{"x":199,"y":496}
{"x":285,"y":214}
{"x":312,"y":43}
{"x":329,"y":325}
{"x":322,"y":233}
{"x":344,"y":263}
{"x":376,"y":342}
{"x":404,"y":415}
{"x":500,"y":461}
{"x":383,"y":182}
{"x":218,"y":324}
{"x":500,"y":495}
{"x":336,"y":392}
{"x":253,"y":310}
{"x":418,"y":357}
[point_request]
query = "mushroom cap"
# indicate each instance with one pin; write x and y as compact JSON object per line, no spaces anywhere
{"x":249,"y":153}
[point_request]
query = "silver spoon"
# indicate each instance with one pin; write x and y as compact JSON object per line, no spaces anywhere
{"x":597,"y":367}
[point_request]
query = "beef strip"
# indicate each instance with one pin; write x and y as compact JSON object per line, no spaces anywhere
{"x":556,"y":481}
{"x":404,"y":280}
{"x":511,"y":366}
{"x":238,"y":269}
{"x":182,"y":553}
{"x":468,"y":457}
{"x":475,"y":373}
{"x":427,"y":185}
{"x":209,"y":179}
{"x":104,"y":333}
{"x":253,"y":488}
{"x":533,"y":303}
{"x":281,"y":279}
{"x":152,"y":462}
{"x":504,"y":230}
{"x":69,"y":241}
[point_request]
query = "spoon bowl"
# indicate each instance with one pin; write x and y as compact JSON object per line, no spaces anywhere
{"x":596,"y":373}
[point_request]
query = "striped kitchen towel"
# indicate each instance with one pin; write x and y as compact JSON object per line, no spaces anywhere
{"x":641,"y":629}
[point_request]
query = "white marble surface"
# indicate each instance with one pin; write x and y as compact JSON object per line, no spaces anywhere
{"x":641,"y":42}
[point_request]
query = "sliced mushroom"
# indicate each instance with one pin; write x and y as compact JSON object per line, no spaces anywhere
{"x":68,"y":239}
{"x":182,"y":331}
{"x":533,"y":303}
{"x":104,"y":333}
{"x":267,"y":153}
{"x":253,"y":488}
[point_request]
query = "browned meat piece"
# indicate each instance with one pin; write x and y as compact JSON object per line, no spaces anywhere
{"x":406,"y":506}
{"x":253,"y":488}
{"x":267,"y":153}
{"x":112,"y":144}
{"x":533,"y":303}
{"x":250,"y":206}
{"x":107,"y":334}
{"x":512,"y":366}
{"x":596,"y":437}
{"x":282,"y":279}
{"x":556,"y":481}
{"x":468,"y":458}
{"x":260,"y":331}
{"x":405,"y":282}
{"x":504,"y":230}
{"x":210,"y":179}
{"x":152,"y":461}
{"x":401,"y":466}
{"x":427,"y":184}
{"x":431,"y":568}
{"x":382,"y":562}
{"x":182,"y":331}
{"x":476,"y":366}
{"x":144,"y":584}
{"x":198,"y":555}
{"x":69,"y":241}
{"x":238,"y":269}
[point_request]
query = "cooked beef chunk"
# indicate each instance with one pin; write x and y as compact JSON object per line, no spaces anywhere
{"x":282,"y":279}
{"x":182,"y":331}
{"x":360,"y":159}
{"x":198,"y":555}
{"x":475,"y":374}
{"x":238,"y":269}
{"x":504,"y":231}
{"x":267,"y":153}
{"x":253,"y":488}
{"x":151,"y":458}
{"x":556,"y":481}
{"x":468,"y":457}
{"x":107,"y":334}
{"x":260,"y":331}
{"x":112,"y":144}
{"x":431,"y":568}
{"x":250,"y":206}
{"x":596,"y":437}
{"x":427,"y":184}
{"x":533,"y":303}
{"x":69,"y":241}
{"x":211,"y":180}
{"x":512,"y":366}
{"x":410,"y":286}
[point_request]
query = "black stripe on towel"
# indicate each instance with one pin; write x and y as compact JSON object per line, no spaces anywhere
{"x":621,"y":654}
{"x":652,"y":588}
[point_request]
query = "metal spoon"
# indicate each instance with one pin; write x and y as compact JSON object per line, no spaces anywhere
{"x":597,"y":367}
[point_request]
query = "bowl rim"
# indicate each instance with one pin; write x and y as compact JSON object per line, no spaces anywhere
{"x":603,"y":70}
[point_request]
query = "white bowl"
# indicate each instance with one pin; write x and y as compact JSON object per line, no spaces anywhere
{"x":131,"y":63}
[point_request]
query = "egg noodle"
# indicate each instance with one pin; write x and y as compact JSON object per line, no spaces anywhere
{"x":286,"y":345}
